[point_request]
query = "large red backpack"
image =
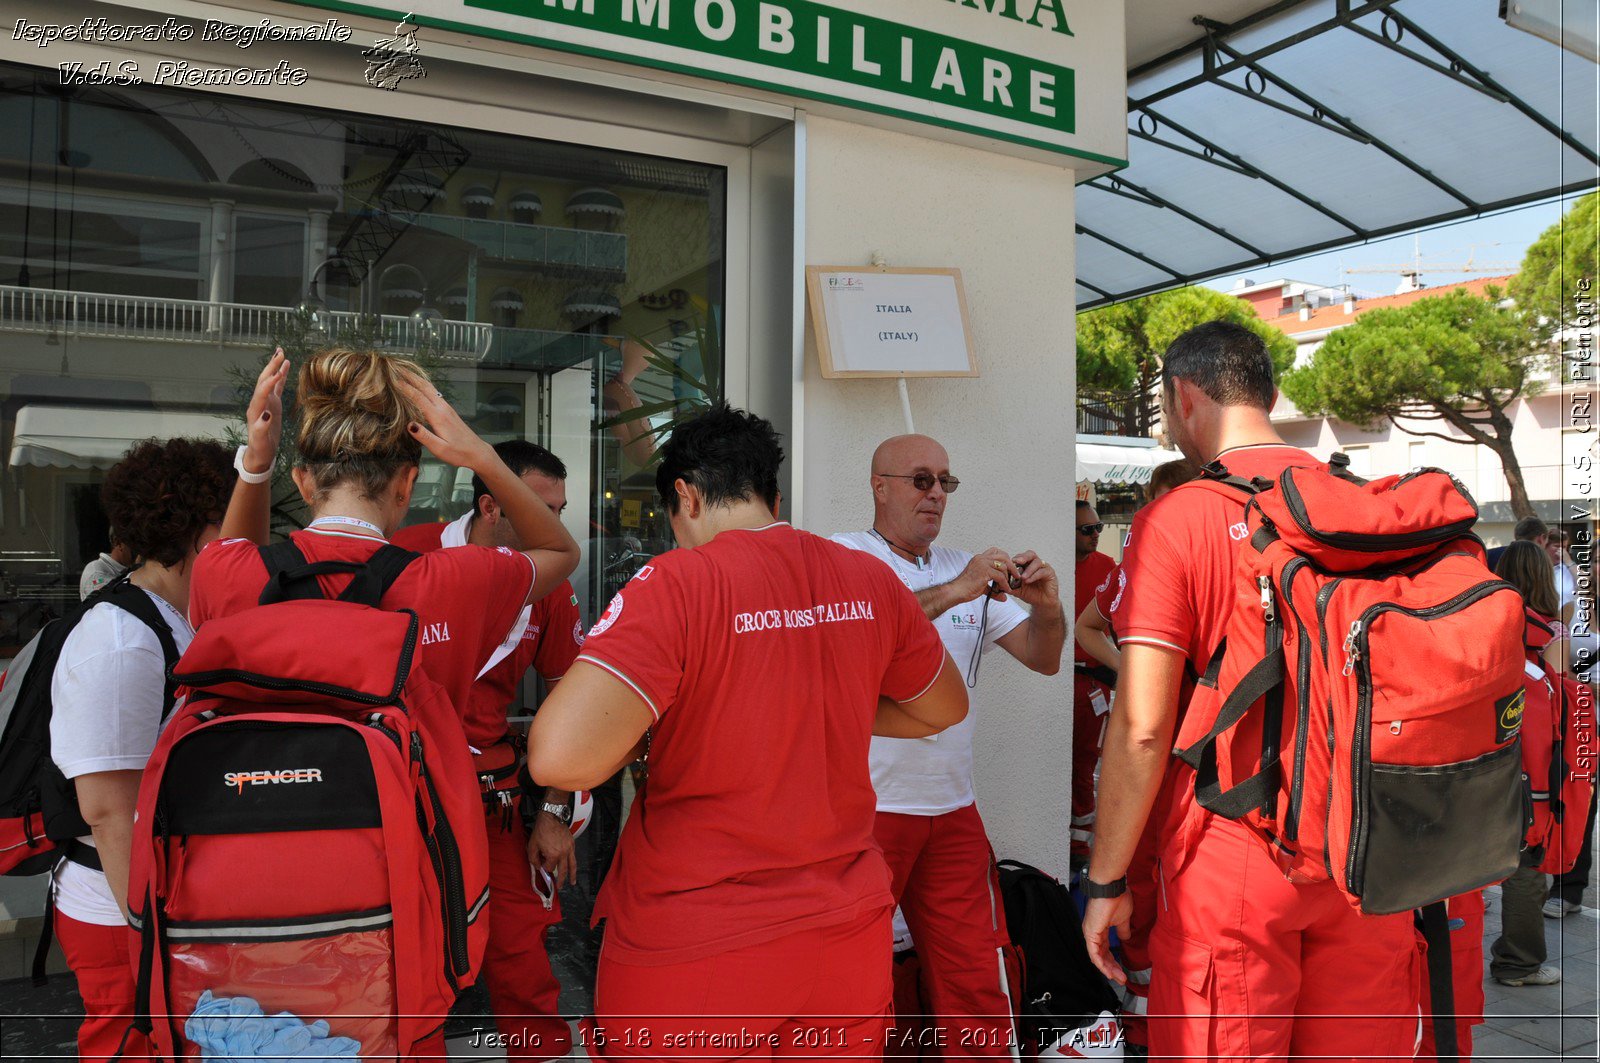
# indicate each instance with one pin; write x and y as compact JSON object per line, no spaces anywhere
{"x":309,"y":829}
{"x":1560,"y":784}
{"x":1356,"y":715}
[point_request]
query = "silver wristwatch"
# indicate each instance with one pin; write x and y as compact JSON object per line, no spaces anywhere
{"x":562,"y":811}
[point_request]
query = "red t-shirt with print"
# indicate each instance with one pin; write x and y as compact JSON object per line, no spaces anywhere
{"x":762,"y":656}
{"x":548,"y":641}
{"x":466,"y":599}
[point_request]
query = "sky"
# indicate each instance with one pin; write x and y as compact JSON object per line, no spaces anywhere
{"x":1498,"y":238}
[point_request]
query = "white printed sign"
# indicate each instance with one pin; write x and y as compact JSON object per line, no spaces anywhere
{"x":881,"y":322}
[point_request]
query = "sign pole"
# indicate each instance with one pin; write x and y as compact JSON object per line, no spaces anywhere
{"x":905,"y":405}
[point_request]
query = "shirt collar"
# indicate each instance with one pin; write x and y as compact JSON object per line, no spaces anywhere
{"x":455,"y":533}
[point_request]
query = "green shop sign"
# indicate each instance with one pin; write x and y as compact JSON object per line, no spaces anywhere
{"x":994,"y":68}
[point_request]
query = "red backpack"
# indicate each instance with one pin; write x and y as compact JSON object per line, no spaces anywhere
{"x":309,"y":829}
{"x":1356,"y":714}
{"x":1560,"y":785}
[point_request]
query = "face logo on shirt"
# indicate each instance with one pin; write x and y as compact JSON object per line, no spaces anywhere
{"x":609,"y":617}
{"x":432,"y":633}
{"x":963,"y":621}
{"x":1238,"y":531}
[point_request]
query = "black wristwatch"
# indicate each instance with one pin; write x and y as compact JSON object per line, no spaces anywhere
{"x":1100,"y":891}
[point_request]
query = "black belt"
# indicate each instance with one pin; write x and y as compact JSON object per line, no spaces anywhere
{"x":1098,"y":672}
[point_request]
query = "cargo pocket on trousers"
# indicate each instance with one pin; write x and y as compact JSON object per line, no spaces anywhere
{"x":1188,"y":960}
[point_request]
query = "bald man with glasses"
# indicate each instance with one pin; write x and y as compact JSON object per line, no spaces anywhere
{"x":927,"y":822}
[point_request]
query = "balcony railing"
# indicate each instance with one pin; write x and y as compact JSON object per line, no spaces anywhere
{"x":1126,"y":413}
{"x":131,"y":317}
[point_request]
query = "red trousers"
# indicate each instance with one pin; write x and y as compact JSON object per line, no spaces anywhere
{"x":1088,"y":728}
{"x":820,"y":993}
{"x":522,"y":988}
{"x":943,"y":871}
{"x":1466,"y":966}
{"x":1249,"y":966}
{"x":104,"y":960}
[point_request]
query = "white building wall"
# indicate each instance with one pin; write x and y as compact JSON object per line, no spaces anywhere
{"x":1010,"y":432}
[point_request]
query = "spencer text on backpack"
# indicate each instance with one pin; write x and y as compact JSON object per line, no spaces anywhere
{"x":309,"y":830}
{"x":1359,"y":713}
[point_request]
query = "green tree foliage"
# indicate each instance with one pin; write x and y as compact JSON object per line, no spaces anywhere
{"x":1120,"y":349}
{"x":1565,"y":255}
{"x":1456,"y":358}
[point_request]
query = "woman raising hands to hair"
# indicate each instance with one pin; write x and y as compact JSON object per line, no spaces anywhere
{"x":366,"y":418}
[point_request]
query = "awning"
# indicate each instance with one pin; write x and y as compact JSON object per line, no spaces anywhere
{"x":1103,"y":461}
{"x":89,"y":437}
{"x":1314,"y":124}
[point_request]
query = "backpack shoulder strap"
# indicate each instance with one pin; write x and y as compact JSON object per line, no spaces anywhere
{"x":375,"y":578}
{"x":136,"y":603}
{"x":291,"y":578}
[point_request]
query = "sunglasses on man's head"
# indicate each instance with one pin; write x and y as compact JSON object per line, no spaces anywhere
{"x":923,"y":481}
{"x":1091,"y":529}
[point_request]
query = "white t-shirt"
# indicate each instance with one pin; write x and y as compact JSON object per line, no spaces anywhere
{"x":106,"y":701}
{"x":932,"y":776}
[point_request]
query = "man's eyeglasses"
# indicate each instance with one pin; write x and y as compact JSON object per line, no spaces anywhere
{"x":923,"y":481}
{"x":1091,"y":529}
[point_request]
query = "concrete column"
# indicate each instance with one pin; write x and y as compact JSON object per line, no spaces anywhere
{"x":221,"y":273}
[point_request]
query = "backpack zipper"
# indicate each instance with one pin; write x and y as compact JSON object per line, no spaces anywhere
{"x":1364,"y":542}
{"x":447,"y":862}
{"x":1359,"y":661}
{"x":1291,"y":827}
{"x":1324,"y":596}
{"x":1271,"y":722}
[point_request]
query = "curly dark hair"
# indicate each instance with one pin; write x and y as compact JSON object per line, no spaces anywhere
{"x":164,"y":492}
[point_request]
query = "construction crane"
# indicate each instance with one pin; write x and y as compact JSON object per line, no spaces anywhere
{"x":1411,"y":272}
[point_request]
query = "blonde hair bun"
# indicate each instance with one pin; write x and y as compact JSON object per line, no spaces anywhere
{"x":354,"y":419}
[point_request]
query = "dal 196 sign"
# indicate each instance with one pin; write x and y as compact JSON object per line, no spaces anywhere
{"x":1005,"y":69}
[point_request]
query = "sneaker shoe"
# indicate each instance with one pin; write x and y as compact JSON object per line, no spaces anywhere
{"x":1557,"y":908}
{"x":1545,"y":975}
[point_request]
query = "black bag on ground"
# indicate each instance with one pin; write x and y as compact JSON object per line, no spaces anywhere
{"x":1063,"y":992}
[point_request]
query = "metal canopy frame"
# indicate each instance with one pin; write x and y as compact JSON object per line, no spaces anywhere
{"x":1231,"y":57}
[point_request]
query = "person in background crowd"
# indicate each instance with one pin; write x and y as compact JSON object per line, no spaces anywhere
{"x":109,"y":697}
{"x":1096,"y":637}
{"x":522,"y":988}
{"x":1566,"y":584}
{"x":1528,"y":529}
{"x":928,"y":822}
{"x":105,"y":568}
{"x":1245,"y":964}
{"x":1518,"y":954}
{"x":749,"y":908}
{"x":366,"y":418}
{"x":1092,"y":682}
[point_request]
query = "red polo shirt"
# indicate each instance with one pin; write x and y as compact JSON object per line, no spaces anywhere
{"x":548,"y":641}
{"x":1087,"y":575}
{"x":762,"y":655}
{"x":466,"y":599}
{"x":1180,"y":557}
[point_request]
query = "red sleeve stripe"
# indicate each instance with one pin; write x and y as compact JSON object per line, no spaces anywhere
{"x":1150,"y":641}
{"x":936,"y":673}
{"x":635,"y":687}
